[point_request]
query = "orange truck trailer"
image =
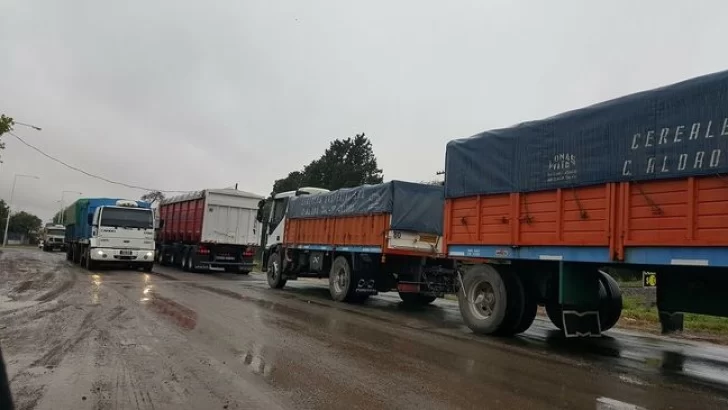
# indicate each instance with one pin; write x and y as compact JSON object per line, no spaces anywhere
{"x":538,"y":214}
{"x":368,"y":239}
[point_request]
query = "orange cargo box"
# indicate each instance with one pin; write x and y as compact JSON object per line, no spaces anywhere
{"x":368,"y":230}
{"x":690,"y":212}
{"x":367,"y":233}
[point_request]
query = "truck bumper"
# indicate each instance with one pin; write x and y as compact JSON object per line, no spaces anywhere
{"x":122,"y":255}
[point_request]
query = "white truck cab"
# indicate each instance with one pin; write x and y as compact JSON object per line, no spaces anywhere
{"x":275,"y":224}
{"x":123,"y":233}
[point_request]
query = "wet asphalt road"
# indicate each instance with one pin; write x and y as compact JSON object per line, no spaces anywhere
{"x":74,"y":339}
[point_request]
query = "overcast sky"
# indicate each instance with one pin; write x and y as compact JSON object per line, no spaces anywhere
{"x":186,"y":95}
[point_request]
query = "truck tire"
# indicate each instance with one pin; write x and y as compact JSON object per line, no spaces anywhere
{"x":530,"y":308}
{"x":416,"y":299}
{"x":342,"y":281}
{"x":69,"y":255}
{"x":185,"y":262}
{"x":275,"y":274}
{"x":610,"y":305}
{"x":148,"y":267}
{"x":89,"y":263}
{"x":491,"y":302}
{"x":77,"y":254}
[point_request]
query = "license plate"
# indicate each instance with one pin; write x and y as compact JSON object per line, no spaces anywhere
{"x":125,"y":252}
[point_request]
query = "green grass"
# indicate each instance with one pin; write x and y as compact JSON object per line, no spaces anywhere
{"x":633,"y":308}
{"x":631,"y":284}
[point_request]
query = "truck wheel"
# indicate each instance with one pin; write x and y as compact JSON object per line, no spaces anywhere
{"x":148,"y":267}
{"x":69,"y":255}
{"x":611,"y":308}
{"x":490,"y":301}
{"x":76,"y":254}
{"x":530,"y":308}
{"x":185,"y":261}
{"x":275,"y":274}
{"x":90,"y":264}
{"x":416,"y":299}
{"x":342,"y":283}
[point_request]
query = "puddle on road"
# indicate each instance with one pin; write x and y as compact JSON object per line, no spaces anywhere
{"x":95,"y":288}
{"x":174,"y":312}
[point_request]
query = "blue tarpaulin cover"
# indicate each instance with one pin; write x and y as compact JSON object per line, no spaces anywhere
{"x":414,"y":207}
{"x":675,"y":131}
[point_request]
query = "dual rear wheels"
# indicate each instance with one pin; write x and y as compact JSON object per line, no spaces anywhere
{"x":499,"y":302}
{"x":496,"y":302}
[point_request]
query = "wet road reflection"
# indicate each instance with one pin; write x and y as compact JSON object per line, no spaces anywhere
{"x":386,"y":355}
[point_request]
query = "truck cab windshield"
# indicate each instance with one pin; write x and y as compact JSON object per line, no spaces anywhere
{"x":56,"y":232}
{"x":127,"y":218}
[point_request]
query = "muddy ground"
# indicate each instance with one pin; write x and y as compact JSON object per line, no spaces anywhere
{"x":74,"y":339}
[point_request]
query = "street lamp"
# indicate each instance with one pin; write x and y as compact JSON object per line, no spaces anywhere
{"x":63,"y":194}
{"x":10,"y":204}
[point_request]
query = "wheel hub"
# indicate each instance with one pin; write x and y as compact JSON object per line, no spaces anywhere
{"x":341,"y":280}
{"x":273,"y":270}
{"x":482,"y":300}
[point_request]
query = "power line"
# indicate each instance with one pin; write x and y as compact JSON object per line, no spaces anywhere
{"x":40,"y":151}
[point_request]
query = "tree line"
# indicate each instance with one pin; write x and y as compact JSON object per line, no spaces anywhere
{"x":21,"y":223}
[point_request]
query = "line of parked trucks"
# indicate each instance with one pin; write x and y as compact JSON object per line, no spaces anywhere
{"x":535,"y":214}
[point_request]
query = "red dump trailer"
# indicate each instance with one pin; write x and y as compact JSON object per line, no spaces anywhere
{"x":213,"y":228}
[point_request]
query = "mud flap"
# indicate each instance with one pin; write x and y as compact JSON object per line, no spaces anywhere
{"x":366,"y":287}
{"x":582,"y":324}
{"x":579,"y":296}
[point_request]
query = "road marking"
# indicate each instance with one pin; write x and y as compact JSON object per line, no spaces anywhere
{"x":605,"y":403}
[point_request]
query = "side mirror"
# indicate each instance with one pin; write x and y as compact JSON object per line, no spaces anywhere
{"x":259,"y":214}
{"x":90,"y":219}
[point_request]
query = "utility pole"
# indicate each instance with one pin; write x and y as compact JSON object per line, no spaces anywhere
{"x":10,"y":205}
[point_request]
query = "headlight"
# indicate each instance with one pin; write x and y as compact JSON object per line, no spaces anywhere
{"x":101,"y":253}
{"x":149,"y":254}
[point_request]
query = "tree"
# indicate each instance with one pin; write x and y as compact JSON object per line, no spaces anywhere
{"x":3,"y":213}
{"x":6,"y":125}
{"x":346,"y":163}
{"x":292,"y":182}
{"x":153,"y":196}
{"x":24,"y":223}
